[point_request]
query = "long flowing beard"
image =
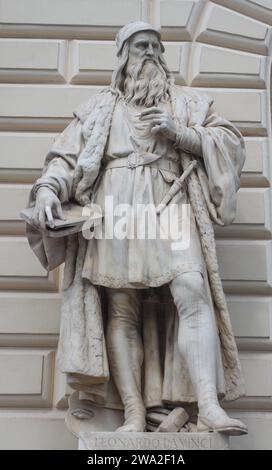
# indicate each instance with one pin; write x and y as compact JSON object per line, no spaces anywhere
{"x":146,"y":83}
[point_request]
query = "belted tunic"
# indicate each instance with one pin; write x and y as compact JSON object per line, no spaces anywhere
{"x":138,"y":170}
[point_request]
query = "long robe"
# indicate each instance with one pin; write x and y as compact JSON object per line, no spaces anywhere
{"x":71,"y":168}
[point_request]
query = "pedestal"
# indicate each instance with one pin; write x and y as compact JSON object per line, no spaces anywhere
{"x":153,"y":441}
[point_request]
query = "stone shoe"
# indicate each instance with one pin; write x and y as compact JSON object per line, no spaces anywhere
{"x":133,"y":424}
{"x":214,"y":418}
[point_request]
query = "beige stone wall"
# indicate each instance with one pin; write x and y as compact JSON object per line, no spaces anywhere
{"x":53,"y":55}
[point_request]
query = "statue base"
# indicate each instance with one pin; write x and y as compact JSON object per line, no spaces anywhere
{"x":153,"y":441}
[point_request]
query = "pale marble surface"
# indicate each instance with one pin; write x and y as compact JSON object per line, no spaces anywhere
{"x":204,"y":364}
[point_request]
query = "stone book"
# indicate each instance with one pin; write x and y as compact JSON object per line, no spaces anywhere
{"x":75,"y":216}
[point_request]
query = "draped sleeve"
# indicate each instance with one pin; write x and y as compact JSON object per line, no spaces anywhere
{"x":57,"y":175}
{"x":217,"y":145}
{"x":219,"y":169}
{"x":61,"y":160}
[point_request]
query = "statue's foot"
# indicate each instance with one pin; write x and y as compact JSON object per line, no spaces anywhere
{"x":132,"y":425}
{"x":81,"y":413}
{"x":213,"y":418}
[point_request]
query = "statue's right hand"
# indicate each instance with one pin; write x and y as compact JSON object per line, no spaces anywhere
{"x":47,"y":206}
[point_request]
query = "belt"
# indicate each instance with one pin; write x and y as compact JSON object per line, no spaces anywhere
{"x":133,"y":160}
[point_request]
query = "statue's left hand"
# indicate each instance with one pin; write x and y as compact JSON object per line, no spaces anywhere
{"x":160,"y":122}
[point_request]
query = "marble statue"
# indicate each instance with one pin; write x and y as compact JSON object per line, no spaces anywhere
{"x":144,"y":326}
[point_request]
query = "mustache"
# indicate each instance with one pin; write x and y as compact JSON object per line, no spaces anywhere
{"x":150,"y":59}
{"x":135,"y":70}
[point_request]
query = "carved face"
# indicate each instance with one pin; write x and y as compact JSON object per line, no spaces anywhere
{"x":144,"y":45}
{"x":142,"y":74}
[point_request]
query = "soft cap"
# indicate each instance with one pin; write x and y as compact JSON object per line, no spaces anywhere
{"x":131,"y":28}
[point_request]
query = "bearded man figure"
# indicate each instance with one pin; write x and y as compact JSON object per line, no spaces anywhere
{"x":143,"y":325}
